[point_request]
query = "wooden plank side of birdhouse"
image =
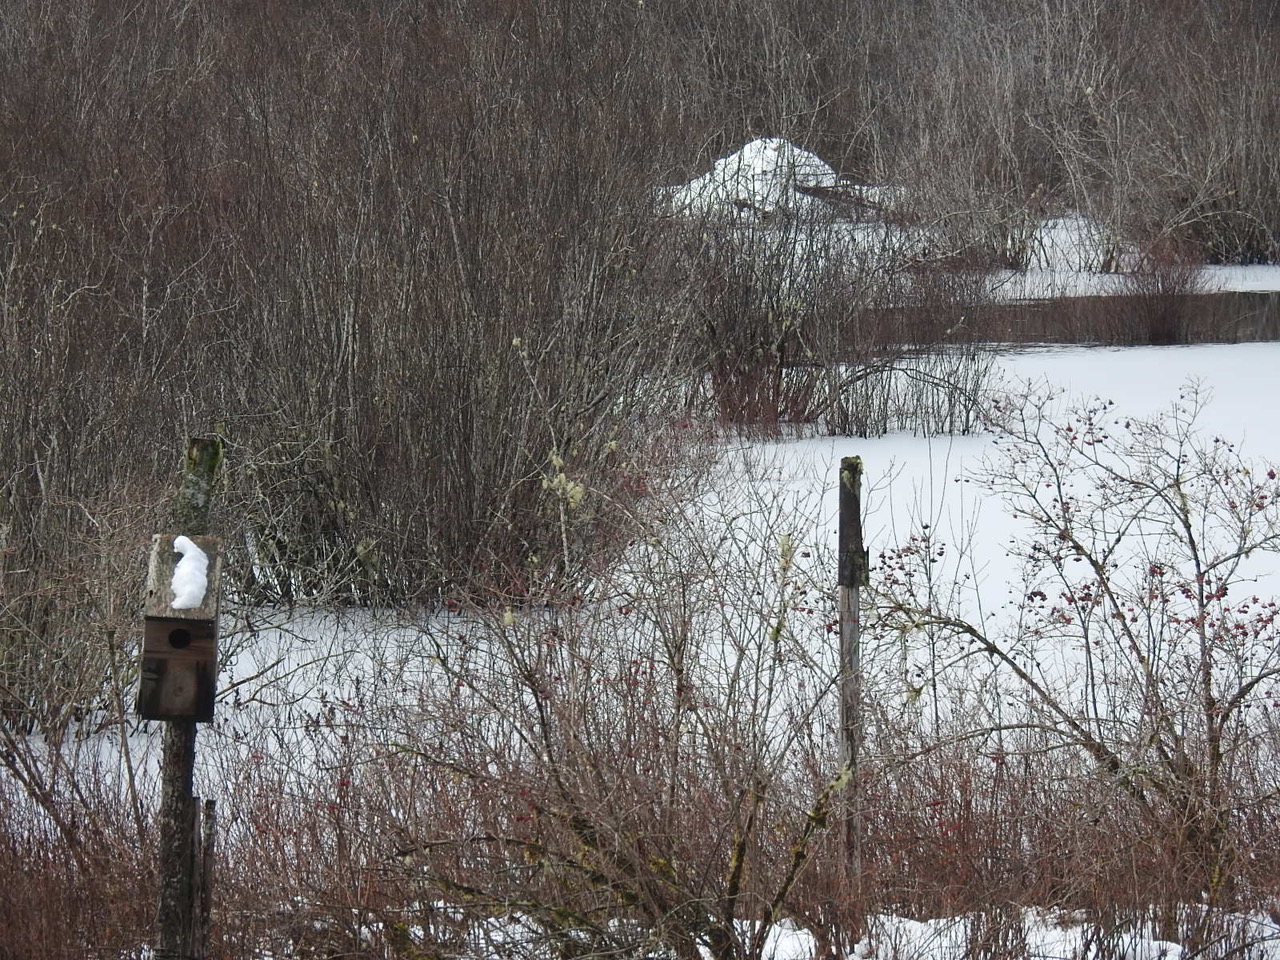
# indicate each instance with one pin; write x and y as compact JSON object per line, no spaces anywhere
{"x":177,"y":689}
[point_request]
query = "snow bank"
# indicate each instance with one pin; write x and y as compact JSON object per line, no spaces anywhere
{"x":785,"y":208}
{"x":1234,"y":279}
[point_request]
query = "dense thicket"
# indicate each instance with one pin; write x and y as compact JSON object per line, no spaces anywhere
{"x":403,"y":256}
{"x":319,"y":228}
{"x":398,"y":258}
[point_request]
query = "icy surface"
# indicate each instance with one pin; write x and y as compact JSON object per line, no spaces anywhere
{"x":1263,"y":278}
{"x":913,"y":480}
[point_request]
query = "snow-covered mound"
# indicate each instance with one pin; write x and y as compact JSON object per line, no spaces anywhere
{"x":764,"y":176}
{"x":803,"y":218}
{"x":788,"y":211}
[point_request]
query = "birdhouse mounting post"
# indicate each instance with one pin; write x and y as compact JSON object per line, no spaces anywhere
{"x":178,"y":686}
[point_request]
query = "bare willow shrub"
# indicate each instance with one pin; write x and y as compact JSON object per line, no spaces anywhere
{"x":1156,"y":301}
{"x":477,"y":294}
{"x":998,"y":114}
{"x":806,"y":314}
{"x":403,"y":262}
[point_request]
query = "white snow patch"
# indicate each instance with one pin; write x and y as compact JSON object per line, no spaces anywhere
{"x":190,"y":576}
{"x":1076,"y":243}
{"x":1039,"y":283}
{"x":1012,"y":285}
{"x":1071,"y":256}
{"x":913,"y":481}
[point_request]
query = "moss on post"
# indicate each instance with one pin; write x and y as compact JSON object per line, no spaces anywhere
{"x":191,"y":512}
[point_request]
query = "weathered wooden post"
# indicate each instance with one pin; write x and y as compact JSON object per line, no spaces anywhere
{"x":853,"y":575}
{"x":179,"y":670}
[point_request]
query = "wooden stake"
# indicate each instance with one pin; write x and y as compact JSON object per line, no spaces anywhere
{"x":203,"y":836}
{"x":178,"y":805}
{"x":853,"y":575}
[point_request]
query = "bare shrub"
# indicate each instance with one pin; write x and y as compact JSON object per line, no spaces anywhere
{"x":1170,"y":671}
{"x":397,"y":319}
{"x":75,"y":846}
{"x":804,"y":317}
{"x":629,"y":762}
{"x":1157,"y":299}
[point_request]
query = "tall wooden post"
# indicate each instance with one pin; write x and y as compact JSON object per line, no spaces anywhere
{"x":853,"y":575}
{"x":179,"y":810}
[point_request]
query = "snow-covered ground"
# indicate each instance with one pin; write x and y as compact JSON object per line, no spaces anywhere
{"x":911,"y":480}
{"x":914,"y":480}
{"x":1047,"y":935}
{"x":284,"y":672}
{"x":1234,"y":279}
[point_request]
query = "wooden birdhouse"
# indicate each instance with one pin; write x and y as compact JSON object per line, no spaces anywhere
{"x":180,"y":629}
